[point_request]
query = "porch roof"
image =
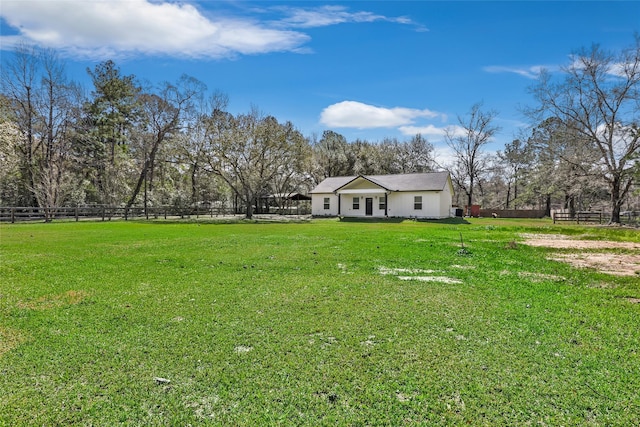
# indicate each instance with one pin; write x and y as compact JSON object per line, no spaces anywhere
{"x":362,"y":191}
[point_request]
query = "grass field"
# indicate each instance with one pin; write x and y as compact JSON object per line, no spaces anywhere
{"x":320,"y":323}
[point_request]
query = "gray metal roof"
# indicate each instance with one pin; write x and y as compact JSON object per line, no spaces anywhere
{"x":329,"y":185}
{"x":432,"y":181}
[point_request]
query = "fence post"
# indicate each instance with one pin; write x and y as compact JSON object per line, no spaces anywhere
{"x":13,"y":215}
{"x":76,"y":214}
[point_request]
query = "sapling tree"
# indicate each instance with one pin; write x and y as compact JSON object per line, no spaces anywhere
{"x":468,"y":142}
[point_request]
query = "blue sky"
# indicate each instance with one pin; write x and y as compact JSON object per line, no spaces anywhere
{"x":366,"y":69}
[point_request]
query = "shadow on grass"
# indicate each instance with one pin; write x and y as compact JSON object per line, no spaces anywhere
{"x":453,"y":221}
{"x":239,"y":219}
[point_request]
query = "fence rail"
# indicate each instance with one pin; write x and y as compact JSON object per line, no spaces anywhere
{"x":104,"y":213}
{"x":631,"y":218}
{"x":579,"y":217}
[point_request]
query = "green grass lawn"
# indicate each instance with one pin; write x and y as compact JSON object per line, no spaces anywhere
{"x":320,"y":323}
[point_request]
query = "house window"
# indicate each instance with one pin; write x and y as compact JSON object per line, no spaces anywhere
{"x":356,"y":203}
{"x":382,"y":203}
{"x":327,"y":205}
{"x":417,"y":203}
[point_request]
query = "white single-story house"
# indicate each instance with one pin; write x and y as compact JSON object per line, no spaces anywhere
{"x":414,"y":195}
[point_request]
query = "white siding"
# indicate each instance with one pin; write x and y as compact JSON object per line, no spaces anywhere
{"x":402,"y":205}
{"x":446,"y":199}
{"x":317,"y":204}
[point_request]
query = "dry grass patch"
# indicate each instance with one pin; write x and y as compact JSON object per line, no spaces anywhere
{"x":538,"y":277}
{"x":54,"y":301}
{"x":9,"y":339}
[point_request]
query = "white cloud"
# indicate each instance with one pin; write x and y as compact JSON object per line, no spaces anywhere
{"x":615,"y":69}
{"x":577,"y":62}
{"x":352,"y":114}
{"x":445,"y":156}
{"x":125,"y":27}
{"x":528,"y":72}
{"x":618,"y":69}
{"x":332,"y":15}
{"x":113,"y":28}
{"x":431,"y":131}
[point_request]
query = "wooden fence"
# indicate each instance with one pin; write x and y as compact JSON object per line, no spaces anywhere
{"x":579,"y":217}
{"x":105,"y":213}
{"x":512,"y":213}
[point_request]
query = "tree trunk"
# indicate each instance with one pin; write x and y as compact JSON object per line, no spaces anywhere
{"x":136,"y":191}
{"x":249,"y":210}
{"x":515,"y":191}
{"x":570,"y":204}
{"x":194,"y":186}
{"x":469,"y":198}
{"x":616,"y":201}
{"x":547,"y":208}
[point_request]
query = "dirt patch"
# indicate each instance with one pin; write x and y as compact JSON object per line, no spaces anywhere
{"x":562,"y":242}
{"x":616,"y":264}
{"x":396,"y":271}
{"x":414,"y":274}
{"x":610,"y":263}
{"x":438,"y":279}
{"x":53,"y":301}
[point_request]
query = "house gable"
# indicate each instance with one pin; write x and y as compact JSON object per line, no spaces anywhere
{"x":361,"y":184}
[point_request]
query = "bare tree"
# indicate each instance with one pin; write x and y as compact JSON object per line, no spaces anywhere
{"x":416,"y":155}
{"x":193,"y":148}
{"x":249,"y":151}
{"x":11,"y":139}
{"x":45,"y":106}
{"x":598,"y":96}
{"x":468,"y":141}
{"x":562,"y":165}
{"x":333,"y":156}
{"x":59,"y":103}
{"x":515,"y":158}
{"x":293,"y":163}
{"x":19,"y":78}
{"x":162,"y":114}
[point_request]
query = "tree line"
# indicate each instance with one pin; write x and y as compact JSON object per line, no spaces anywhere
{"x":128,"y":143}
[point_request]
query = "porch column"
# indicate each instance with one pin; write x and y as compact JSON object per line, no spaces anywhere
{"x":386,"y":204}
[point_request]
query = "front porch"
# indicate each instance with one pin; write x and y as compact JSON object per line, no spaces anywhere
{"x":363,"y":203}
